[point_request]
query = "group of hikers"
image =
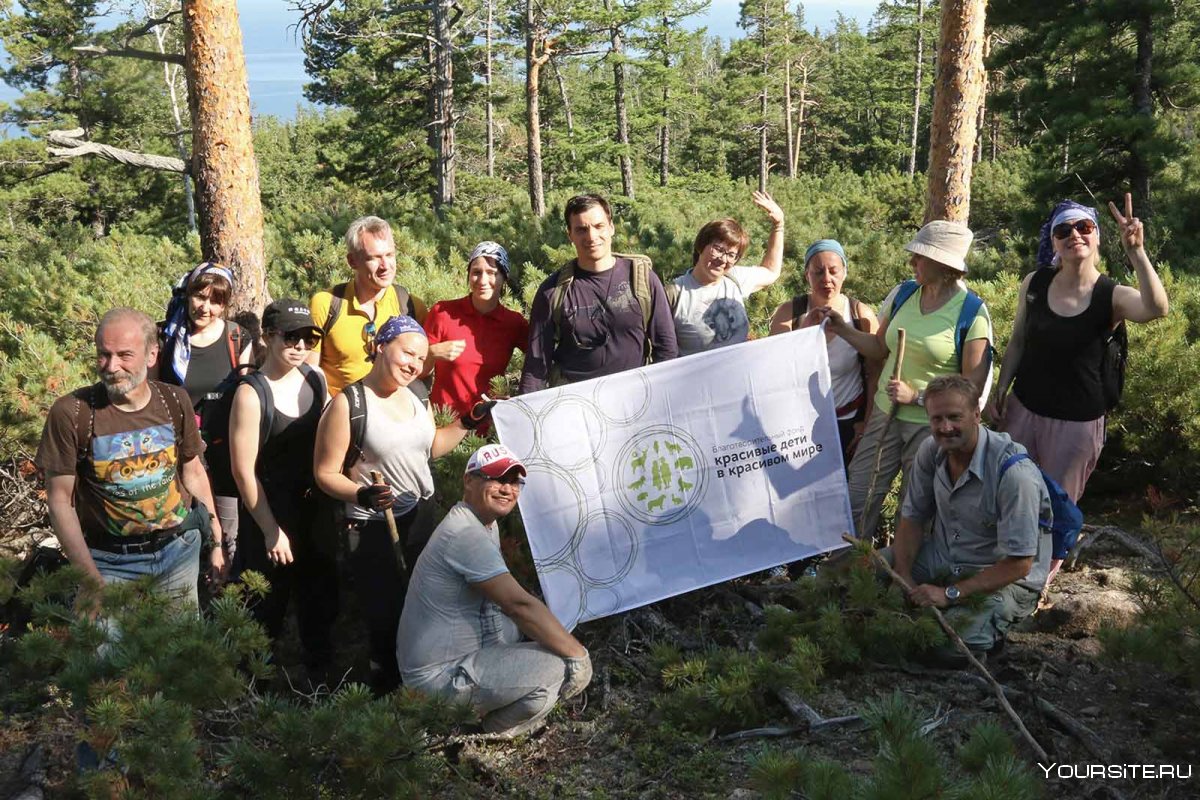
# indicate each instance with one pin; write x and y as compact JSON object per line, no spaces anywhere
{"x":322,"y":450}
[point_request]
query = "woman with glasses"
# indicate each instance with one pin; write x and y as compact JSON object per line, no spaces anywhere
{"x":385,"y":474}
{"x":272,"y":433}
{"x":472,"y":339}
{"x":825,"y":269}
{"x":708,"y":303}
{"x":201,"y":351}
{"x":1057,"y":407}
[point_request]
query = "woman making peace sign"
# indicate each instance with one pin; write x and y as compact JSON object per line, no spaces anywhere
{"x":1058,"y":405}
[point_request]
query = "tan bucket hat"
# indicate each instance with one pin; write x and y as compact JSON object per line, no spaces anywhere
{"x":943,"y":241}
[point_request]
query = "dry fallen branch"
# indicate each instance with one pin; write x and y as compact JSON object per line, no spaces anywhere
{"x":130,"y":52}
{"x":71,"y":146}
{"x":1159,"y":560}
{"x":961,"y":646}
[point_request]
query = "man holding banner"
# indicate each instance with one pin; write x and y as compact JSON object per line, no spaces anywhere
{"x":460,"y":633}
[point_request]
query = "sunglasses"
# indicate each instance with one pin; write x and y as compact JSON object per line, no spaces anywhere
{"x":1082,"y":226}
{"x":369,"y":339}
{"x":510,"y":478}
{"x":310,"y":338}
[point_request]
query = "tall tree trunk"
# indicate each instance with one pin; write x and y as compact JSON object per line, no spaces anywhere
{"x":618,"y":65}
{"x":1143,"y":106}
{"x":664,"y":130}
{"x":231,"y":218}
{"x":491,"y":133}
{"x":566,"y":101}
{"x":1066,"y":150}
{"x":171,"y":79}
{"x":916,"y":115}
{"x":801,"y":114}
{"x":763,"y":156}
{"x":443,"y":106}
{"x":787,"y":117}
{"x":994,"y":135}
{"x":534,"y":38}
{"x":955,"y":110}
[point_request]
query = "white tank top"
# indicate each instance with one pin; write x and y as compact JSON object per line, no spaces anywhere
{"x":399,"y":451}
{"x":844,"y":372}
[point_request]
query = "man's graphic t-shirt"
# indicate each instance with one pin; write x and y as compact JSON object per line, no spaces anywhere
{"x":127,"y":474}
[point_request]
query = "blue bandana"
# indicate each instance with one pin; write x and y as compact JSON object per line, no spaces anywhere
{"x":1066,"y":211}
{"x":176,"y":329}
{"x":826,"y":246}
{"x":398,"y":326}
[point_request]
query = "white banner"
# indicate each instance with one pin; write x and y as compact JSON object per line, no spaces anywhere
{"x":678,"y":475}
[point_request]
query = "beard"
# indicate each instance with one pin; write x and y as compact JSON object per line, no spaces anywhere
{"x":119,"y":384}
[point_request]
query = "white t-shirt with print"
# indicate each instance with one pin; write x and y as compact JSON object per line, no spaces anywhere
{"x":707,"y":317}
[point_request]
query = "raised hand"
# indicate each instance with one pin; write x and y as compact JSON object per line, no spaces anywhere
{"x":769,"y":207}
{"x":1132,"y":231}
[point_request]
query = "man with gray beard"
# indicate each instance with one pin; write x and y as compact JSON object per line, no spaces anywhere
{"x":120,"y":459}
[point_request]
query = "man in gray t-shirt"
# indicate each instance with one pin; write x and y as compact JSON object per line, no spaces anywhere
{"x":990,"y":533}
{"x":460,"y":633}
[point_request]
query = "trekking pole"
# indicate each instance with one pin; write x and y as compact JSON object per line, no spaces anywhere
{"x":962,"y":647}
{"x":862,"y":518}
{"x":391,"y":523}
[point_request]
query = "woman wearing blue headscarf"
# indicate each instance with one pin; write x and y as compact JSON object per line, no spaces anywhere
{"x":825,"y":268}
{"x":201,"y":349}
{"x":1053,"y":364}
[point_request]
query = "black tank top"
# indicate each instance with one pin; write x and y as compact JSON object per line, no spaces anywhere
{"x":208,"y":366}
{"x":284,"y":465}
{"x":1059,"y":373}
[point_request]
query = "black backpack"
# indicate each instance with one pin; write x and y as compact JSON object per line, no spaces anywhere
{"x":1112,"y":365}
{"x":403,"y":301}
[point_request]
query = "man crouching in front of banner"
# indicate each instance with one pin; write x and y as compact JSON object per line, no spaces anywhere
{"x":460,"y":632}
{"x":986,"y":539}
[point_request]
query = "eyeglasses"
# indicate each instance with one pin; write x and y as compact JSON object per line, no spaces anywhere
{"x":1081,"y":226}
{"x":510,"y":478}
{"x":310,"y":339}
{"x":723,"y":254}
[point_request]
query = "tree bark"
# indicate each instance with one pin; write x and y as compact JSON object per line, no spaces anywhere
{"x":1143,"y":105}
{"x":764,"y":165}
{"x":956,"y":103}
{"x":535,"y":37}
{"x":804,"y":70}
{"x":618,"y":64}
{"x":491,"y":133}
{"x":664,"y":130}
{"x":231,"y":218}
{"x":787,"y":116}
{"x":443,"y":105}
{"x":916,"y":115}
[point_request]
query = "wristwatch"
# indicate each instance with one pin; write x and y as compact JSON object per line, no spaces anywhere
{"x":952,"y":594}
{"x":921,"y":398}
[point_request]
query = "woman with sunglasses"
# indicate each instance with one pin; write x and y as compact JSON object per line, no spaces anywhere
{"x":708,"y":303}
{"x":202,"y":350}
{"x":272,"y":433}
{"x":1056,"y":407}
{"x":472,"y":339}
{"x":399,"y":438}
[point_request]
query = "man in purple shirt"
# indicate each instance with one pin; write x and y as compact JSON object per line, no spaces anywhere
{"x":601,"y":325}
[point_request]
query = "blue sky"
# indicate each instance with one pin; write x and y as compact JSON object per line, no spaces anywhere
{"x":276,"y":66}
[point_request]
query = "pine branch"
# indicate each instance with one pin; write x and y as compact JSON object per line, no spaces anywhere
{"x":961,"y":646}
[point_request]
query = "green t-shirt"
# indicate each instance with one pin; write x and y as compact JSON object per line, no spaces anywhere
{"x":928,"y":348}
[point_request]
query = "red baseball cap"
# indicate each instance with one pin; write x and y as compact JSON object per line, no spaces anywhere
{"x":494,"y":460}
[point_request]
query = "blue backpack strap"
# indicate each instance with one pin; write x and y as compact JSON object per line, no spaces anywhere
{"x":903,"y":292}
{"x":1008,"y":462}
{"x":966,"y":317}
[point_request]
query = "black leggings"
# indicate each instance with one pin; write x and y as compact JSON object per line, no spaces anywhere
{"x":380,"y":584}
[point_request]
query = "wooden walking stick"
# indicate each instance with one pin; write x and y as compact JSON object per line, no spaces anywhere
{"x":862,"y":518}
{"x":962,"y":647}
{"x":391,"y":523}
